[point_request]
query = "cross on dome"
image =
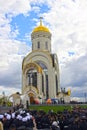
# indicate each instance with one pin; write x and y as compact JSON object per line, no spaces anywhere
{"x":41,"y":27}
{"x":41,"y":21}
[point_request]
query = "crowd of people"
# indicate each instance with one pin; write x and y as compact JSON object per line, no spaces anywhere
{"x":25,"y":119}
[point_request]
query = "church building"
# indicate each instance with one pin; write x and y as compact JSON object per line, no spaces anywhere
{"x":40,"y":68}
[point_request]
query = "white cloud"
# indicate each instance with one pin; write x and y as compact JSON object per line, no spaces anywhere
{"x":11,"y":51}
{"x":11,"y":56}
{"x":10,"y":90}
{"x":78,"y":99}
{"x":74,"y":74}
{"x":67,"y":21}
{"x":14,"y":7}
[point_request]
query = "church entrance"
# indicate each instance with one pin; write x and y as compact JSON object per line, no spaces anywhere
{"x":31,"y":96}
{"x":31,"y":100}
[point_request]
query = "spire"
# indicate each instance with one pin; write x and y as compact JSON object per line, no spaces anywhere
{"x":41,"y":27}
{"x":41,"y":21}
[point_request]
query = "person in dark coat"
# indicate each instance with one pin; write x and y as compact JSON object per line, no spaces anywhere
{"x":22,"y":128}
{"x":12,"y":127}
{"x":83,"y":123}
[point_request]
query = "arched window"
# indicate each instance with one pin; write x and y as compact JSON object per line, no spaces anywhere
{"x":32,"y":78}
{"x":46,"y":45}
{"x":38,"y":45}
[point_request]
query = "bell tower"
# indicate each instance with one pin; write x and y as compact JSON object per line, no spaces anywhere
{"x":41,"y":38}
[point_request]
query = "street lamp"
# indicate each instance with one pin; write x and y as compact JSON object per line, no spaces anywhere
{"x":4,"y":103}
{"x":85,"y":97}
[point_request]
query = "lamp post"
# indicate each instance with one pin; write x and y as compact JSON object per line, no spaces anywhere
{"x":4,"y":103}
{"x":85,"y":97}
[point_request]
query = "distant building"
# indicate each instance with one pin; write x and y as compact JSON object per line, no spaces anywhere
{"x":40,"y":68}
{"x":64,"y":96}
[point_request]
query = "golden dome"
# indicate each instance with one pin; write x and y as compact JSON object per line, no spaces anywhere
{"x":41,"y":28}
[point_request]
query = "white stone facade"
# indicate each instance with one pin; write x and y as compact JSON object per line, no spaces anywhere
{"x":40,"y":69}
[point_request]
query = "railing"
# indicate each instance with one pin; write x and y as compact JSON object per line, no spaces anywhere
{"x":4,"y":109}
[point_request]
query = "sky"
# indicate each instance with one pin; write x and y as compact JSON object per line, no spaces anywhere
{"x":66,"y":20}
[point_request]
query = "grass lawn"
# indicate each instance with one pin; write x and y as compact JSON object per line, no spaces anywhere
{"x":46,"y":108}
{"x":55,"y":108}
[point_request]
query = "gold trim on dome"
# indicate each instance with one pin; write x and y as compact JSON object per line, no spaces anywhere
{"x":41,"y":27}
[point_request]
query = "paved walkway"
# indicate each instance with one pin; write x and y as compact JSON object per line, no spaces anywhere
{"x":5,"y":109}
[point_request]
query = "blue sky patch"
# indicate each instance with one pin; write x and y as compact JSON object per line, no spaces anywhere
{"x":71,"y":53}
{"x":24,"y":24}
